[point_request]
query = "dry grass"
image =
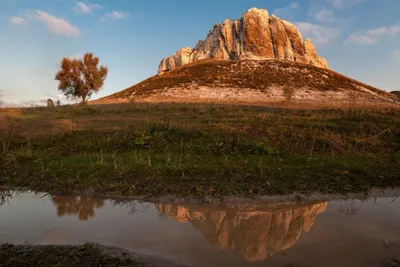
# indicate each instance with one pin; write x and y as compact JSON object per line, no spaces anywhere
{"x":259,"y":76}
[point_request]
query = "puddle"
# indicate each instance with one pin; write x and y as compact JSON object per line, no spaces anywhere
{"x":334,"y":233}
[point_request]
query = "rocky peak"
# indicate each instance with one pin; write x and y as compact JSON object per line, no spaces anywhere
{"x":256,"y":36}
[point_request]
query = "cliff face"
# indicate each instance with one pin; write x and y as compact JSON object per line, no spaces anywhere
{"x":256,"y":36}
{"x":255,"y":234}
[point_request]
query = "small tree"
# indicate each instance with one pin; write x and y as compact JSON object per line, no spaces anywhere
{"x":288,"y":92}
{"x":80,"y":78}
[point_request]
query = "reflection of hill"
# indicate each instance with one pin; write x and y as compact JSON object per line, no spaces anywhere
{"x":255,"y":233}
{"x":81,"y":206}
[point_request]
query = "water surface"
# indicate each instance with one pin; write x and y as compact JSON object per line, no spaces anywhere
{"x":319,"y":233}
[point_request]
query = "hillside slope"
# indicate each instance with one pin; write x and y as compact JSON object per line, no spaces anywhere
{"x":249,"y":81}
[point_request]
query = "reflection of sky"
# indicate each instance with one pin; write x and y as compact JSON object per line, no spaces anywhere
{"x":335,"y":239}
{"x":133,"y":46}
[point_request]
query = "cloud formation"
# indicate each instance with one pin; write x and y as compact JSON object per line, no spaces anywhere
{"x":17,"y":21}
{"x":116,"y":15}
{"x":372,"y":36}
{"x":86,"y":8}
{"x":317,"y":33}
{"x":345,"y":3}
{"x":324,"y":15}
{"x":57,"y":26}
{"x":292,"y":6}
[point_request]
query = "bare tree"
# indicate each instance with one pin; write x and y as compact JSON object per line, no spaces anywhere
{"x":80,"y":78}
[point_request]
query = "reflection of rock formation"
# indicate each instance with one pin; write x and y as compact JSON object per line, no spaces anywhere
{"x":256,"y":233}
{"x":81,"y":206}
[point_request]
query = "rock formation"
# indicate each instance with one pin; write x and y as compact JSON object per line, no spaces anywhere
{"x":255,"y":233}
{"x":256,"y":36}
{"x":50,"y":103}
{"x":396,"y":93}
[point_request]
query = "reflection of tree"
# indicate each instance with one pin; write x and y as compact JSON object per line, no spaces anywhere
{"x":5,"y":196}
{"x":81,"y":206}
{"x":254,"y":233}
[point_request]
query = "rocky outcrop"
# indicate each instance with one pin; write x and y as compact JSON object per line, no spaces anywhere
{"x":397,"y":93}
{"x":50,"y":103}
{"x":255,"y":233}
{"x":256,"y":36}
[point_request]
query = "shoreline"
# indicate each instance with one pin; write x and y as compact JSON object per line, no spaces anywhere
{"x":80,"y":255}
{"x":261,"y":199}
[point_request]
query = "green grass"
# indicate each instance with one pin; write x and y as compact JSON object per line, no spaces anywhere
{"x":199,"y":149}
{"x":60,"y":256}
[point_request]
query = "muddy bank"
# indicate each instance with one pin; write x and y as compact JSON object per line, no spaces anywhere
{"x":295,"y":197}
{"x":71,"y":256}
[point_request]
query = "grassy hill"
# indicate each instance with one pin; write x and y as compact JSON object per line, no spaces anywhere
{"x":249,"y":81}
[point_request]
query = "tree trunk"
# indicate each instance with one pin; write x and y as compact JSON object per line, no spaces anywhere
{"x":84,"y":99}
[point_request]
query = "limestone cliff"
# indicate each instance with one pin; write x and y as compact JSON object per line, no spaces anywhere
{"x":255,"y":233}
{"x":256,"y":36}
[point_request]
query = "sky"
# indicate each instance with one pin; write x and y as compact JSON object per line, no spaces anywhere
{"x":359,"y":38}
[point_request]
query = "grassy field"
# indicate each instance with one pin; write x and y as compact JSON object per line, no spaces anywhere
{"x":200,"y":149}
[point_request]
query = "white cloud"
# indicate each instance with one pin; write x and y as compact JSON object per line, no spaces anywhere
{"x":116,"y":15}
{"x":372,"y":36}
{"x":17,"y":21}
{"x":292,"y":6}
{"x":345,"y":3}
{"x":317,"y":33}
{"x":324,"y":15}
{"x":57,"y":26}
{"x":86,"y":8}
{"x":397,"y":53}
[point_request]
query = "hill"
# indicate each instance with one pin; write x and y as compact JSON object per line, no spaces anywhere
{"x":250,"y":82}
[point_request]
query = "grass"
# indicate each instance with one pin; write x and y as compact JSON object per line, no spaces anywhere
{"x":61,"y":256}
{"x":199,"y":149}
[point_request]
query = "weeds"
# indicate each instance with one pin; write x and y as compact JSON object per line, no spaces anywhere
{"x":9,"y":134}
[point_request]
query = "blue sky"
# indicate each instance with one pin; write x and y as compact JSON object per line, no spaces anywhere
{"x":360,"y":38}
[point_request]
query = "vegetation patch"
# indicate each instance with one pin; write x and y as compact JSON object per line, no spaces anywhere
{"x":199,"y":149}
